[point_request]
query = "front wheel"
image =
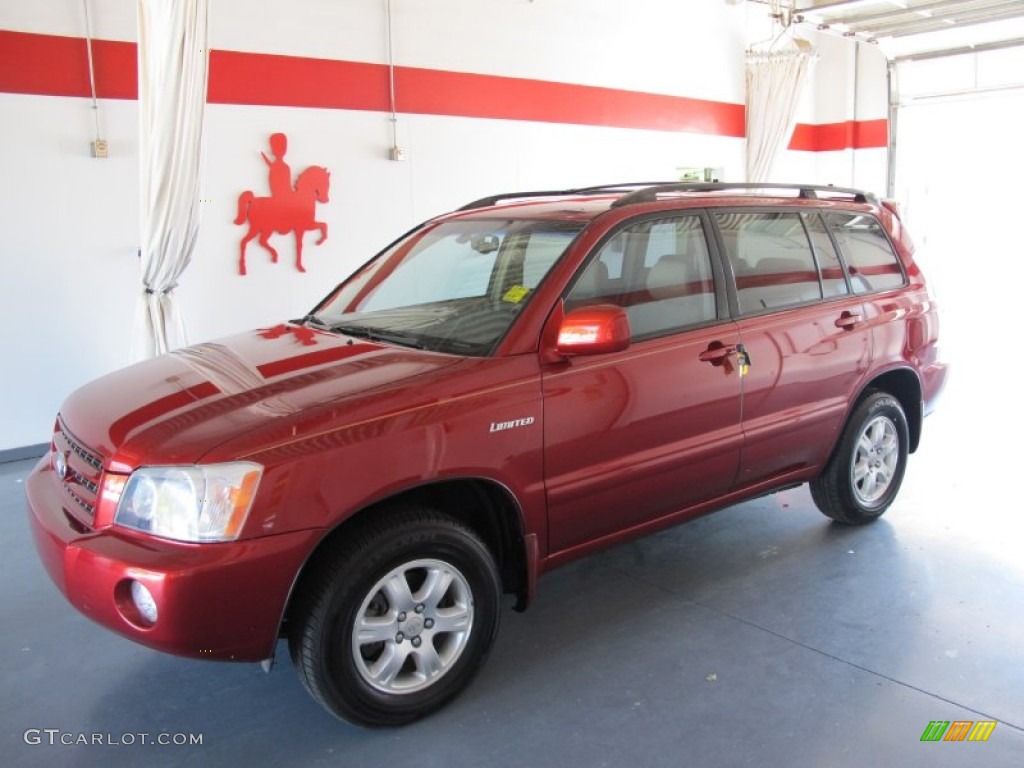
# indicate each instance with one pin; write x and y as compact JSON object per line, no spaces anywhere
{"x":397,"y":622}
{"x":864,"y":475}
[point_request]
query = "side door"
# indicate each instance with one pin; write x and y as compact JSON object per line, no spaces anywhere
{"x":805,"y":336}
{"x":635,"y":435}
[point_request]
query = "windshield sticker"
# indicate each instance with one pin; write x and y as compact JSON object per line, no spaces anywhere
{"x":515,"y":294}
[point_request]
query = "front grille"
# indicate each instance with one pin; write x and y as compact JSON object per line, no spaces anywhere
{"x":81,"y":479}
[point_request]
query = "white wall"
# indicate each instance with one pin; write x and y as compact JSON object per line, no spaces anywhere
{"x":70,"y":236}
{"x":849,"y":83}
{"x":111,"y":19}
{"x":71,"y":222}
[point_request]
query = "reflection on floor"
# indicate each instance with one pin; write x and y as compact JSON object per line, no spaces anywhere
{"x":762,"y":635}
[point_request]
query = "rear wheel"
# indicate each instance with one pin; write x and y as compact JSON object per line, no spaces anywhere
{"x":396,"y":623}
{"x":864,"y":475}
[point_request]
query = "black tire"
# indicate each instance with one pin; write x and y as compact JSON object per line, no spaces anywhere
{"x":866,"y":470}
{"x":443,"y":635}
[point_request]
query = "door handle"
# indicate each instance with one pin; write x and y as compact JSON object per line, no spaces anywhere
{"x":847,"y":320}
{"x":716,"y":353}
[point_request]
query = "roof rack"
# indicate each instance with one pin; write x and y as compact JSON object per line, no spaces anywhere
{"x":648,"y":191}
{"x":486,"y":202}
{"x":806,"y":191}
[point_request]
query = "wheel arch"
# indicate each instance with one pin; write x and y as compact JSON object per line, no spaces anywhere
{"x":486,"y":506}
{"x":903,"y":384}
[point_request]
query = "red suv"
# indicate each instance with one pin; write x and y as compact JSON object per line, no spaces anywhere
{"x":502,"y":390}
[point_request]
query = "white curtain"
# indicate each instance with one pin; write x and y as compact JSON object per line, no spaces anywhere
{"x":173,"y":63}
{"x":774,"y":84}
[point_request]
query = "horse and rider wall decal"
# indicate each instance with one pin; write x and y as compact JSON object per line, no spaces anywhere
{"x":287,"y":209}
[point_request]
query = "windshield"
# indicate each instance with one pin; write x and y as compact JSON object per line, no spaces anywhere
{"x":453,"y":287}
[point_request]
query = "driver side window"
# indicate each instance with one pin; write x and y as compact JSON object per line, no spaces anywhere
{"x":658,"y":270}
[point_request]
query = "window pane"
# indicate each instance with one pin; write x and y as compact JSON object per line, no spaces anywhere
{"x":771,"y":258}
{"x":447,"y":268}
{"x":542,"y":250}
{"x":659,"y":271}
{"x":833,"y":282}
{"x":454,"y":287}
{"x":869,"y":256}
{"x":661,"y":241}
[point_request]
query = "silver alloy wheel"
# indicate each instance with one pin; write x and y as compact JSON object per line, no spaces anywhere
{"x":412,"y":626}
{"x":875,"y":458}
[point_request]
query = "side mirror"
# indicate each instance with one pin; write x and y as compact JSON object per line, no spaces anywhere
{"x":594,"y":331}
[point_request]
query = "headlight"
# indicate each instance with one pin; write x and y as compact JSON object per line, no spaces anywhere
{"x":200,"y":503}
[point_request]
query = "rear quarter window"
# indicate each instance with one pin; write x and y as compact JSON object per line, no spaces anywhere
{"x":870,"y":259}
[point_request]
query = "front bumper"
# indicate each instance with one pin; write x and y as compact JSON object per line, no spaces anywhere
{"x":215,"y":601}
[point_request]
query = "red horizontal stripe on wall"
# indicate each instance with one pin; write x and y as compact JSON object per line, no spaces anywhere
{"x":293,"y":81}
{"x":853,"y":134}
{"x":436,"y":92}
{"x":871,"y":134}
{"x":805,"y":137}
{"x":254,"y":78}
{"x":58,"y":66}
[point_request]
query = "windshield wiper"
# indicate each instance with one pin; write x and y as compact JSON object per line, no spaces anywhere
{"x":373,"y":334}
{"x":314,"y":320}
{"x":359,"y":331}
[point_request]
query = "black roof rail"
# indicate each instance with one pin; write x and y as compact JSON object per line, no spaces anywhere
{"x":486,"y":202}
{"x":806,"y":191}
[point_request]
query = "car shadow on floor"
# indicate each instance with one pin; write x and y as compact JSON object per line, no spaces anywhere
{"x":643,"y":631}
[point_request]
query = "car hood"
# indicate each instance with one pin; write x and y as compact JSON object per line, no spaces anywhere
{"x":176,"y":407}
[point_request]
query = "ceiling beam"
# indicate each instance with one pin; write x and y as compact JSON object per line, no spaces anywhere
{"x":812,"y":6}
{"x":941,"y":53}
{"x":911,"y":12}
{"x":939,"y":23}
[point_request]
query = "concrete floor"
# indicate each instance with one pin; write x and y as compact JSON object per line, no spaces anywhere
{"x":760,"y":636}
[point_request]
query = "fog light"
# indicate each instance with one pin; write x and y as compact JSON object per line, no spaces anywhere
{"x":144,"y":602}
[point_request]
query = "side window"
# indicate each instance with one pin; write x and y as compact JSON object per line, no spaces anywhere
{"x":658,"y":271}
{"x":771,"y":258}
{"x":869,"y":257}
{"x":661,"y":240}
{"x":833,"y":281}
